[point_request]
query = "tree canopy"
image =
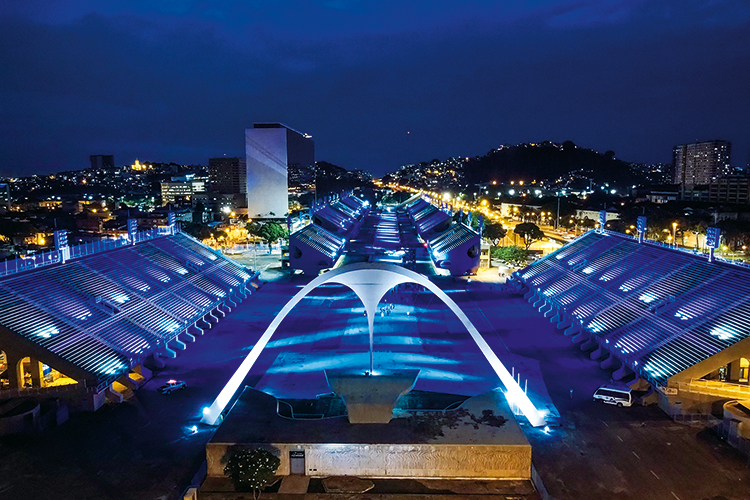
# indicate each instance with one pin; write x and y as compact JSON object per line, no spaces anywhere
{"x":269,"y":231}
{"x":494,"y":232}
{"x":252,"y":469}
{"x":529,"y":232}
{"x":513,"y":255}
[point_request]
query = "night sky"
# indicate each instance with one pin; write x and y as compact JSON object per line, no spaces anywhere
{"x":378,"y":84}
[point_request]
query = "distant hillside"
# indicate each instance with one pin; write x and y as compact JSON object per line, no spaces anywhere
{"x":545,"y":161}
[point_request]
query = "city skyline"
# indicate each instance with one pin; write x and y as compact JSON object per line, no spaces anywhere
{"x":377,"y":86}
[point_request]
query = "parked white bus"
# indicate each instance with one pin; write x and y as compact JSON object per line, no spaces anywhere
{"x":620,"y":396}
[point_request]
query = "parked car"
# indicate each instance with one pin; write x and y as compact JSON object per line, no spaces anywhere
{"x":620,"y":396}
{"x":171,"y":386}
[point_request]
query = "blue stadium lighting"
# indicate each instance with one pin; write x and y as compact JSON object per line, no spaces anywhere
{"x":596,"y":327}
{"x":120,"y":298}
{"x":47,"y":332}
{"x":723,"y":333}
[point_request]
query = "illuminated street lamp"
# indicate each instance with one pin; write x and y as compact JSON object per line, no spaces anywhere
{"x":674,"y":230}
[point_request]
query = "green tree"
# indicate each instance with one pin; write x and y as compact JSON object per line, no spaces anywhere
{"x":252,"y":470}
{"x":198,"y":231}
{"x":269,"y":231}
{"x":529,"y":232}
{"x":494,"y":232}
{"x":253,"y":229}
{"x":513,"y":255}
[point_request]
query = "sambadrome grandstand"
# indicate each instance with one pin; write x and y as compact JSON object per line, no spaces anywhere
{"x":87,"y":324}
{"x":650,"y":313}
{"x":75,"y":327}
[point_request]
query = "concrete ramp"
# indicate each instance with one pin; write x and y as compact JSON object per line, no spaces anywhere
{"x":370,"y":399}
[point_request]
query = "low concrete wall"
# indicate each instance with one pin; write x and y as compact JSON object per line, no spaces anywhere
{"x":394,"y":460}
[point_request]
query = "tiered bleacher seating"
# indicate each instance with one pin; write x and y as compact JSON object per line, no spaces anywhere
{"x":312,"y":248}
{"x":659,"y":311}
{"x":454,"y":247}
{"x":319,"y":245}
{"x":98,"y":316}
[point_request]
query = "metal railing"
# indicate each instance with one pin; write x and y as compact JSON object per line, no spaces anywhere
{"x":676,"y":413}
{"x":20,"y":264}
{"x":689,"y":251}
{"x":49,"y":257}
{"x":42,"y":391}
{"x":715,"y":388}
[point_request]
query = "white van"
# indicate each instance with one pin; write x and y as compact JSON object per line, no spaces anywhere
{"x":620,"y":396}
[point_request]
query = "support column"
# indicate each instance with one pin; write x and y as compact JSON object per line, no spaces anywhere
{"x":589,"y":345}
{"x":112,"y":395}
{"x":565,"y":322}
{"x":93,"y":400}
{"x":622,"y":372}
{"x":558,"y":315}
{"x":573,"y":329}
{"x":610,"y":362}
{"x":37,"y":375}
{"x":143,"y":371}
{"x":155,"y":362}
{"x":581,"y":337}
{"x":598,"y":354}
{"x":15,"y":370}
{"x":178,"y":344}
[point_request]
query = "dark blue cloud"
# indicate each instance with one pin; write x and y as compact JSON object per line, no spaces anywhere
{"x":377,"y":84}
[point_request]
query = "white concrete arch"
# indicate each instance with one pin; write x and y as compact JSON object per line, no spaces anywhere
{"x":370,"y":282}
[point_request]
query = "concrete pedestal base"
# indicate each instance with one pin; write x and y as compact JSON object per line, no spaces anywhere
{"x":370,"y":398}
{"x":479,"y":440}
